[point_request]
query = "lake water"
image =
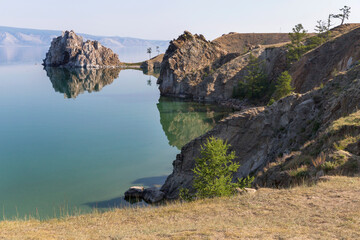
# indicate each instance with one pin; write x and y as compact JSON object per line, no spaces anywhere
{"x":74,"y":140}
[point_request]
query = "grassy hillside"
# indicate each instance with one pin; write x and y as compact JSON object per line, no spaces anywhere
{"x":327,"y":210}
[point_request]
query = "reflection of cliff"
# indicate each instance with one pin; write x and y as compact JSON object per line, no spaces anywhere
{"x":184,"y":121}
{"x":73,"y":82}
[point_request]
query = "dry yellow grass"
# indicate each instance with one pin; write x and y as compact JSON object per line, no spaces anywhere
{"x":328,"y":210}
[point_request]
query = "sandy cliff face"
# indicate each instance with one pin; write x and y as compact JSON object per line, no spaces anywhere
{"x":260,"y":135}
{"x":69,"y":50}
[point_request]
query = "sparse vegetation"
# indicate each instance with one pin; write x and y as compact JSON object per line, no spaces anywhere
{"x":352,"y":120}
{"x":319,"y":160}
{"x":328,"y":166}
{"x":301,"y":172}
{"x":346,"y":141}
{"x":315,"y":212}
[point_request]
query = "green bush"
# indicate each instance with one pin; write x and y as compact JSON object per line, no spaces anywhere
{"x":328,"y":166}
{"x":214,"y":171}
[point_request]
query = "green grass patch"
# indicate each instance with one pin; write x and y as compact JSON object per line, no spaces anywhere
{"x":300,"y":172}
{"x":352,"y":120}
{"x":342,"y":144}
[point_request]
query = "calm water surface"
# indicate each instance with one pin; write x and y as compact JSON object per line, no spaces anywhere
{"x":74,"y":140}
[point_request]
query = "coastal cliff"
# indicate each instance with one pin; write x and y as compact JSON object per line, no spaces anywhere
{"x":202,"y":70}
{"x":197,"y":69}
{"x":279,"y":143}
{"x":69,"y":50}
{"x":297,"y":123}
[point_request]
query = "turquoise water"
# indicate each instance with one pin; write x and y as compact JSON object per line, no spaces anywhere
{"x":75,"y":140}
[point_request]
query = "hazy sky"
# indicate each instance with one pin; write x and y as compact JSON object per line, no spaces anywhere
{"x":166,"y":19}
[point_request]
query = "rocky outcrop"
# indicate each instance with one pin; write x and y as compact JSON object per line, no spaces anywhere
{"x":135,"y":192}
{"x":260,"y":135}
{"x":323,"y":63}
{"x":153,"y":195}
{"x":197,"y":69}
{"x":184,"y":61}
{"x":153,"y":64}
{"x":185,"y":75}
{"x":72,"y":82}
{"x":149,"y":195}
{"x":69,"y":50}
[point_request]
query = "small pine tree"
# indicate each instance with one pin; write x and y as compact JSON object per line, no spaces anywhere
{"x":297,"y":48}
{"x":255,"y":83}
{"x":283,"y":86}
{"x":345,"y":13}
{"x":214,"y":170}
{"x":149,"y":51}
{"x":321,"y":27}
{"x":255,"y":79}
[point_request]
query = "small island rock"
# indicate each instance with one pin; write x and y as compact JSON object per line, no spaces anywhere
{"x":69,"y":50}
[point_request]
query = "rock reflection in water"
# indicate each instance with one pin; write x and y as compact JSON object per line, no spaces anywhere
{"x":184,"y":121}
{"x":72,"y":82}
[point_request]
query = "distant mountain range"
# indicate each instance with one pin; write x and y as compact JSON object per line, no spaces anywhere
{"x":22,"y":37}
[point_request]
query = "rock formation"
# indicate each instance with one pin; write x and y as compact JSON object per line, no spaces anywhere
{"x":72,"y":82}
{"x":69,"y":50}
{"x":149,"y":195}
{"x":201,"y":70}
{"x":153,"y":64}
{"x":259,"y":135}
{"x":184,"y":61}
{"x":320,"y":65}
{"x":188,"y":71}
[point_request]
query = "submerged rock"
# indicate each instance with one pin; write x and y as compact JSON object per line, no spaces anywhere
{"x":69,"y":50}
